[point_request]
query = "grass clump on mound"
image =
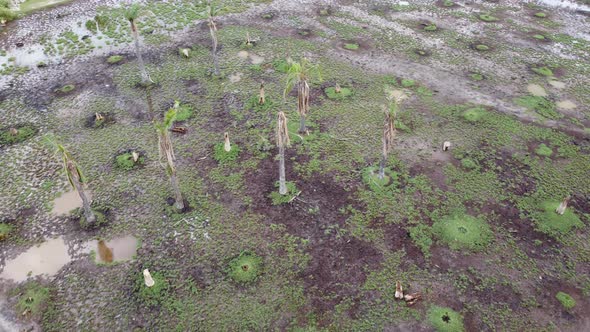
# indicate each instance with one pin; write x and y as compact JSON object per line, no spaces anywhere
{"x":5,"y":229}
{"x":113,"y":59}
{"x":224,"y":157}
{"x":462,"y":231}
{"x":445,"y":319}
{"x":488,"y":18}
{"x":333,"y":94}
{"x":245,"y":268}
{"x":482,"y":47}
{"x":474,"y":114}
{"x":540,"y":105}
{"x":126,"y":162}
{"x":253,"y":103}
{"x":371,"y":179}
{"x":540,"y":14}
{"x":32,"y":300}
{"x":554,"y":224}
{"x":543,"y":71}
{"x":66,"y":88}
{"x":567,"y":302}
{"x":17,"y":134}
{"x":430,"y":27}
{"x":543,"y":150}
{"x":152,"y":296}
{"x":278,"y":199}
{"x":351,"y":46}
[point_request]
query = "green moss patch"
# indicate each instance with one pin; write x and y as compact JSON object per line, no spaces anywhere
{"x":331,"y":93}
{"x":184,"y":112}
{"x":488,"y":18}
{"x":225,"y":157}
{"x":543,"y":71}
{"x":66,"y":89}
{"x":567,"y":302}
{"x":540,"y":105}
{"x":554,"y":224}
{"x":476,"y":76}
{"x":351,"y":46}
{"x":481,"y":47}
{"x":114,"y":59}
{"x":474,"y":114}
{"x":372,"y":180}
{"x":5,"y":229}
{"x":448,"y":3}
{"x":32,"y":300}
{"x":151,"y":296}
{"x":245,"y":268}
{"x":540,"y":14}
{"x":445,"y":319}
{"x":126,"y":162}
{"x":543,"y":150}
{"x":278,"y":199}
{"x":468,"y":163}
{"x":16,"y":134}
{"x":462,"y":231}
{"x":430,"y":27}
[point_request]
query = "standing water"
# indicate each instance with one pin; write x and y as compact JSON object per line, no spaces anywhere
{"x":564,"y":4}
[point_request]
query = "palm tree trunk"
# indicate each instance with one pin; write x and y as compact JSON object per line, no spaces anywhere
{"x":145,"y":77}
{"x":282,"y":181}
{"x":212,"y":29}
{"x":382,"y":167}
{"x":88,"y":214}
{"x":302,"y":104}
{"x":179,"y":201}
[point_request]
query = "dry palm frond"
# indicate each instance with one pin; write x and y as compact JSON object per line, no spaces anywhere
{"x":98,"y":117}
{"x":563,"y":205}
{"x":226,"y":145}
{"x":147,"y":278}
{"x":411,"y":299}
{"x":303,"y":97}
{"x":337,"y":88}
{"x":13,"y":131}
{"x":282,"y":134}
{"x":388,"y":132}
{"x":135,"y":156}
{"x":399,"y":291}
{"x":186,"y":52}
{"x":261,"y":97}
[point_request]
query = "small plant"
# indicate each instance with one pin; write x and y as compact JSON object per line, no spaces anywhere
{"x":66,"y":88}
{"x":183,"y":111}
{"x":482,"y":47}
{"x":554,"y":224}
{"x":129,"y":160}
{"x":291,"y":192}
{"x":543,"y":150}
{"x":445,"y":319}
{"x":154,"y":295}
{"x":5,"y":229}
{"x":540,"y":14}
{"x":32,"y":300}
{"x":99,"y":210}
{"x":448,"y":3}
{"x":543,"y":71}
{"x":245,"y":268}
{"x":488,"y":18}
{"x":462,"y":231}
{"x":540,"y":105}
{"x":474,"y":114}
{"x":567,"y":302}
{"x":408,"y":83}
{"x":113,"y":59}
{"x":371,"y":178}
{"x":351,"y":46}
{"x":16,"y":134}
{"x":225,"y":157}
{"x":539,"y":37}
{"x":430,"y":27}
{"x":337,"y":92}
{"x":476,"y":76}
{"x":468,"y":163}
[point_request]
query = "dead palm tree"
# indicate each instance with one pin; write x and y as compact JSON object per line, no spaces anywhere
{"x":132,"y":13}
{"x":261,"y":95}
{"x":165,"y":150}
{"x":282,"y":136}
{"x":74,"y":174}
{"x":388,"y":136}
{"x":213,"y":30}
{"x":300,"y":74}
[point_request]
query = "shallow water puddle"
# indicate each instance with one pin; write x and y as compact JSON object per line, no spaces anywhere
{"x":564,"y":4}
{"x":566,"y":105}
{"x":536,"y":90}
{"x":67,"y":202}
{"x":50,"y":256}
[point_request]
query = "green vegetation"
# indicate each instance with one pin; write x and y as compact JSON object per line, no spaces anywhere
{"x":225,"y":157}
{"x":333,"y":94}
{"x":371,"y":179}
{"x":183,"y":112}
{"x":543,"y":150}
{"x":566,"y":300}
{"x":475,"y":114}
{"x":66,"y":88}
{"x":6,"y":14}
{"x":16,"y":134}
{"x":351,"y":46}
{"x":482,"y":47}
{"x":445,"y":319}
{"x":462,"y":231}
{"x":430,"y":27}
{"x":408,"y":83}
{"x":292,"y":192}
{"x":550,"y":222}
{"x":543,"y":71}
{"x":113,"y":59}
{"x":540,"y":105}
{"x":488,"y":18}
{"x":540,"y":14}
{"x":468,"y":163}
{"x":476,"y":76}
{"x":126,"y":161}
{"x":245,"y":268}
{"x":5,"y":229}
{"x":155,"y":295}
{"x":32,"y":300}
{"x":540,"y":37}
{"x":448,"y":3}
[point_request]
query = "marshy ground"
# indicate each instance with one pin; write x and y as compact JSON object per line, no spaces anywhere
{"x":472,"y":229}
